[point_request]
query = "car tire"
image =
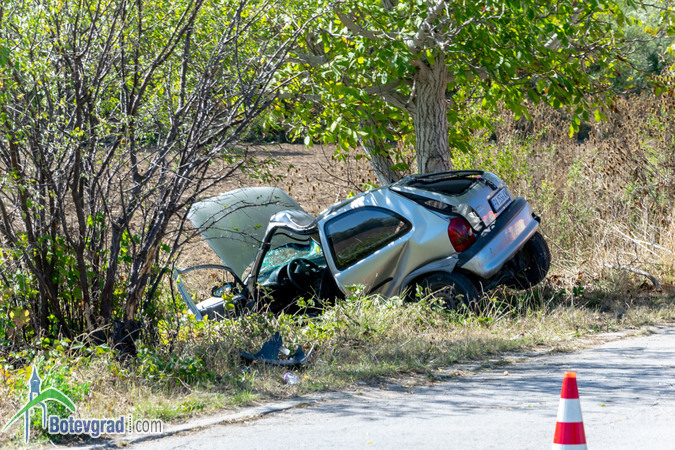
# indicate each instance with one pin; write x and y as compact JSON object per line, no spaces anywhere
{"x":534,"y":260}
{"x":452,"y":289}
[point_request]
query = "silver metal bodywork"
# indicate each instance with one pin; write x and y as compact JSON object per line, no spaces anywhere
{"x":240,"y":225}
{"x":516,"y":229}
{"x":383,"y":271}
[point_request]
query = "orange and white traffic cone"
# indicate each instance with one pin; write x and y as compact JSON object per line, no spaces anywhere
{"x":569,"y":430}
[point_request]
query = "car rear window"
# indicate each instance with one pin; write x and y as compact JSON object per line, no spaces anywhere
{"x":358,"y":233}
{"x":451,"y":186}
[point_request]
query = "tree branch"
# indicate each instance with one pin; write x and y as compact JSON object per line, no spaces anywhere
{"x":416,"y":43}
{"x":652,"y":278}
{"x":348,"y":21}
{"x":389,"y":93}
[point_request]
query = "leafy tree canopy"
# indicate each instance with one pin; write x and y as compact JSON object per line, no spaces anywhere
{"x":374,"y":70}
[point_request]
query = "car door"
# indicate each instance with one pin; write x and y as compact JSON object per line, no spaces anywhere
{"x":365,"y":245}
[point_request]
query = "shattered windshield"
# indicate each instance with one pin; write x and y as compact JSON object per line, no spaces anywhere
{"x":282,"y":254}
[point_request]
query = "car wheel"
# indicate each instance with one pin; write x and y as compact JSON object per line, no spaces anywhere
{"x":534,"y":261}
{"x":452,"y":289}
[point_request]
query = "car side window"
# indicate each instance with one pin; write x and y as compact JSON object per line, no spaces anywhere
{"x":358,"y":233}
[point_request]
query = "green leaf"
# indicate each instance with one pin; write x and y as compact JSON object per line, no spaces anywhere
{"x":430,"y":57}
{"x":4,"y":56}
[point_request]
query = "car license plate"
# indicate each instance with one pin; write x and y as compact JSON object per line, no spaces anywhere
{"x":500,"y":199}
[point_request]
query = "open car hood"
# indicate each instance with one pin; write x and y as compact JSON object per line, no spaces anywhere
{"x":234,"y":223}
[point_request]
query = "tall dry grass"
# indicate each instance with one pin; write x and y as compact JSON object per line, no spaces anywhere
{"x":606,"y":195}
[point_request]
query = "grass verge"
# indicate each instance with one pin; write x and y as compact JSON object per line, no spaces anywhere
{"x":196,"y":369}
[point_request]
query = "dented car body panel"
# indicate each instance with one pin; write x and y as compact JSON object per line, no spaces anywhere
{"x":384,"y":241}
{"x":417,"y":243}
{"x":515,"y":227}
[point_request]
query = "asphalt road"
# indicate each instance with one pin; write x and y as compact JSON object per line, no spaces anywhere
{"x":627,"y":391}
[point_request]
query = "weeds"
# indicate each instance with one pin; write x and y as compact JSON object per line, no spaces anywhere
{"x":606,"y":203}
{"x":360,"y":339}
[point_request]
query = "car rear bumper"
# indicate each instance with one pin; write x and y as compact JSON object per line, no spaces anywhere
{"x":507,"y":235}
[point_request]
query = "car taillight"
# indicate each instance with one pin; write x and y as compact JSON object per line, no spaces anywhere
{"x":460,"y":234}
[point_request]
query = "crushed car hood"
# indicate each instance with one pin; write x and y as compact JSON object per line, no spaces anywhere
{"x":234,"y":223}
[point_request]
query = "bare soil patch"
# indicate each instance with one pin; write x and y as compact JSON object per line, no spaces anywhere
{"x":312,"y":176}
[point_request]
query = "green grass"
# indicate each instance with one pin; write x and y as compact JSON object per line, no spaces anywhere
{"x":359,"y":340}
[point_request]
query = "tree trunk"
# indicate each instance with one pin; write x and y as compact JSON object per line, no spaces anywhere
{"x":106,"y":305}
{"x":380,"y":162}
{"x":431,"y":120}
{"x":376,"y":149}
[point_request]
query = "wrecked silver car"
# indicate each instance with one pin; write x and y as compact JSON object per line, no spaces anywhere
{"x":453,"y":234}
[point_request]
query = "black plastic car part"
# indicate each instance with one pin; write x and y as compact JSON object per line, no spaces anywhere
{"x":270,"y":351}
